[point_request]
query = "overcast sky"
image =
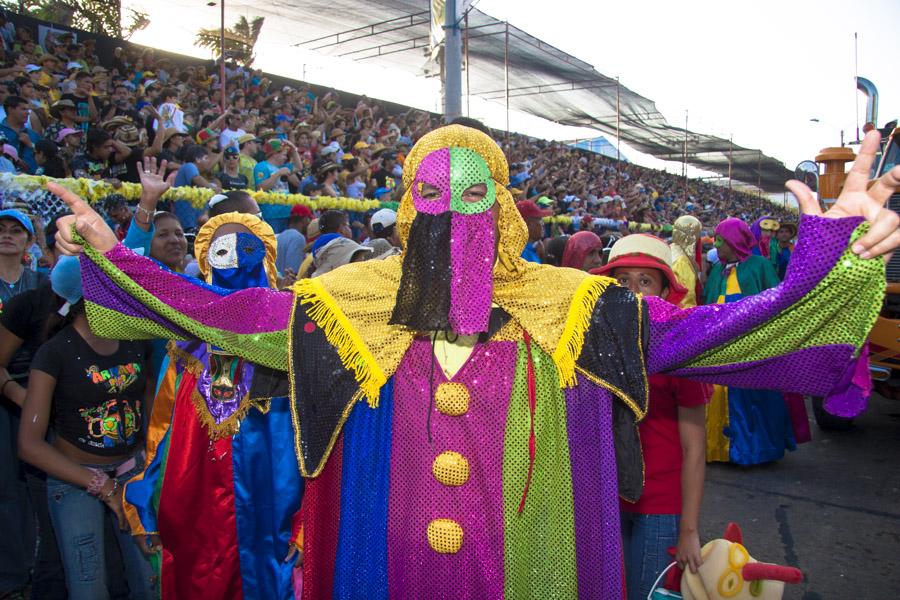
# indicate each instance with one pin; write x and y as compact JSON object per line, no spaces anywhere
{"x":756,"y":70}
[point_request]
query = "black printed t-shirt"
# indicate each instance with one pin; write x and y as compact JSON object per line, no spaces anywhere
{"x":97,"y":400}
{"x":25,"y":316}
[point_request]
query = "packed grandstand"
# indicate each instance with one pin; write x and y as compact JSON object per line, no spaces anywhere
{"x":78,"y":89}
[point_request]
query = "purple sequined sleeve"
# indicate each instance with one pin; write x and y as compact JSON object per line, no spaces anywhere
{"x":128,"y":296}
{"x":802,"y":336}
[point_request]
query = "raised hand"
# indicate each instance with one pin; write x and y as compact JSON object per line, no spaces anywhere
{"x":859,"y":200}
{"x":87,"y":222}
{"x":154,"y":183}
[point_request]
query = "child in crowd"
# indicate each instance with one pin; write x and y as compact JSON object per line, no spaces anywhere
{"x":673,"y":437}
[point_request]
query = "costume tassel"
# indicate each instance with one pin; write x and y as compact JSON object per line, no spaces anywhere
{"x":580,"y":310}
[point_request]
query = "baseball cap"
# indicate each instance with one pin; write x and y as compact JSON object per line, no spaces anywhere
{"x":301,"y":210}
{"x":73,"y":65}
{"x":383,"y":219}
{"x":11,"y":151}
{"x":528,"y":209}
{"x":337,"y":253}
{"x":18,"y":215}
{"x":360,"y":145}
{"x":247,"y":137}
{"x":65,"y":279}
{"x":273,"y":146}
{"x":644,"y":250}
{"x":32,"y":68}
{"x":63,"y":133}
{"x":231,"y":151}
{"x":381,"y":248}
{"x":312,"y":232}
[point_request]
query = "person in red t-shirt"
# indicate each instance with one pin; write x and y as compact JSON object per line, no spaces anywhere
{"x":673,"y":437}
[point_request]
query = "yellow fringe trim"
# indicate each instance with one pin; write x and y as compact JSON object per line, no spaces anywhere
{"x":579,"y":319}
{"x":232,"y":424}
{"x":190,"y":363}
{"x":351,"y":349}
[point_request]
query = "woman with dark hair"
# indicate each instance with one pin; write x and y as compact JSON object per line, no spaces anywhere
{"x":169,"y":245}
{"x":46,"y":154}
{"x":555,"y":249}
{"x":99,"y":439}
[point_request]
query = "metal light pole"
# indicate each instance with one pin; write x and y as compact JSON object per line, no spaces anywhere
{"x":452,"y":63}
{"x":222,"y":48}
{"x":221,"y":51}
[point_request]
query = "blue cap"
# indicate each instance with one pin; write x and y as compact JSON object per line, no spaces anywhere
{"x":65,"y":279}
{"x":18,"y":215}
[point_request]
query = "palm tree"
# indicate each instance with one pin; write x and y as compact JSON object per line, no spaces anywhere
{"x":239,"y":40}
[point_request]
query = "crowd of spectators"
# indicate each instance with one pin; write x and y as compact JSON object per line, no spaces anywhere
{"x":68,"y":113}
{"x":136,"y":117}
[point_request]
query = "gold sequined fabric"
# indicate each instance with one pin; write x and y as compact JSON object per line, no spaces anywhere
{"x":553,"y":304}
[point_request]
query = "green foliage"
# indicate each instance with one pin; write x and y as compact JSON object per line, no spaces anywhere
{"x":96,"y":16}
{"x":239,"y":40}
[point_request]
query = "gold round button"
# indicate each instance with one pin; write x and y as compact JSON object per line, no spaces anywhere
{"x":450,"y":468}
{"x":445,"y":536}
{"x":452,"y":399}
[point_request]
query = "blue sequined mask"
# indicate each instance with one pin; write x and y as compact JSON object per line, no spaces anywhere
{"x":236,"y":261}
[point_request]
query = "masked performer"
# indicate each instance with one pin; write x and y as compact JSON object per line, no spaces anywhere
{"x":744,"y":426}
{"x":686,"y":258}
{"x":455,"y":406}
{"x":764,"y":230}
{"x":222,"y":483}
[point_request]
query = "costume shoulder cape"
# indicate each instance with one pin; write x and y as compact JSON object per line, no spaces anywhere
{"x":343,"y":349}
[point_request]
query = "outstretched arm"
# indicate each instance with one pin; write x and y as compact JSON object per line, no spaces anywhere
{"x":128,"y":296}
{"x":804,"y":335}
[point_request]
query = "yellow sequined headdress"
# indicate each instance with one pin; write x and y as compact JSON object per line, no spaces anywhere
{"x":353,"y":304}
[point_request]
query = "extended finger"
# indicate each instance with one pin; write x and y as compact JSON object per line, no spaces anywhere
{"x":886,"y":185}
{"x":806,"y":200}
{"x":858,"y":177}
{"x":883,"y":226}
{"x":885,"y":246}
{"x":72,"y":200}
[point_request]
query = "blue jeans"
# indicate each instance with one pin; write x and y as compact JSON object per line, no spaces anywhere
{"x":646,"y":540}
{"x":78,"y":519}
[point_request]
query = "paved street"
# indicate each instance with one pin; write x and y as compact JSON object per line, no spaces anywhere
{"x":832,"y":509}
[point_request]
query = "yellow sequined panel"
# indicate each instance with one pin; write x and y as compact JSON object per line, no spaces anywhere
{"x":445,"y":536}
{"x":451,"y":468}
{"x":452,"y":399}
{"x":511,"y":332}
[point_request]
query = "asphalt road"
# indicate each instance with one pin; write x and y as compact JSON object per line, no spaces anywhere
{"x":831,"y":508}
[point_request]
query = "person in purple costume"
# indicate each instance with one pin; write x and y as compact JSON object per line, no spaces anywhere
{"x":465,"y":418}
